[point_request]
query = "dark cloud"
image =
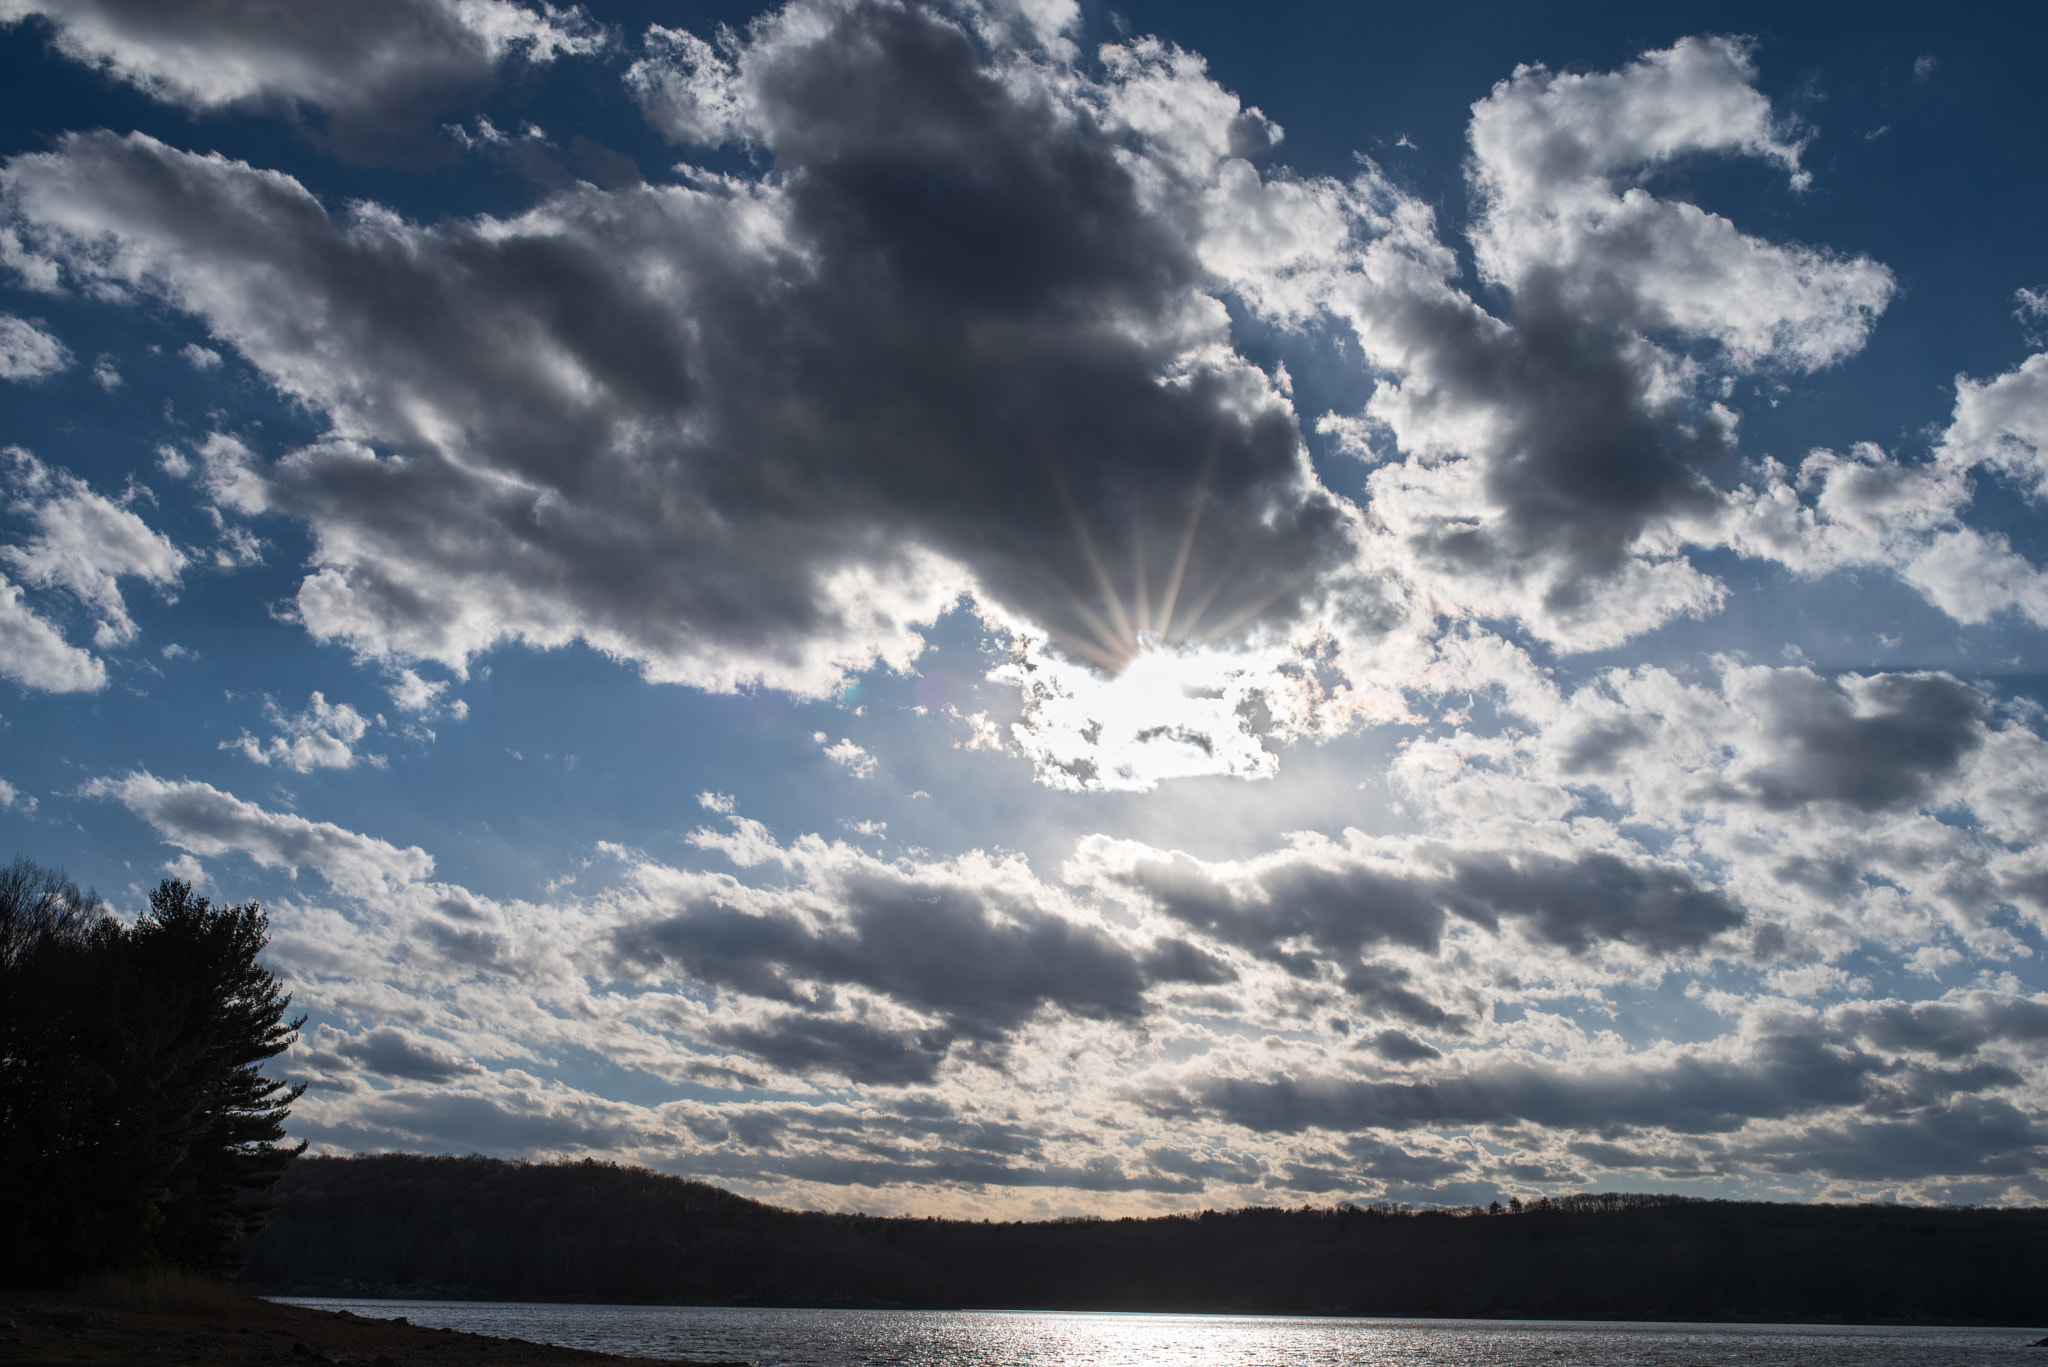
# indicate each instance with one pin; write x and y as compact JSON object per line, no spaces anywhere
{"x":1577,"y":903}
{"x":510,"y":1123}
{"x":1398,"y":1046}
{"x":1600,"y":748}
{"x":1308,"y":913}
{"x":1952,"y":1028}
{"x":851,"y":1049}
{"x":724,"y":428}
{"x":1875,"y":744}
{"x":394,"y":1053}
{"x":1789,"y":1069}
{"x":1382,"y":990}
{"x":976,"y":960}
{"x":1590,"y":450}
{"x":1972,"y":1136}
{"x":1561,"y":451}
{"x":1341,"y":910}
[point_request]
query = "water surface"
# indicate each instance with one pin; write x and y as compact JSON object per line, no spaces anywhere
{"x":1025,"y":1338}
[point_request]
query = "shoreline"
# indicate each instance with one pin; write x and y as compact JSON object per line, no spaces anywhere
{"x":119,"y":1324}
{"x":1219,"y":1312}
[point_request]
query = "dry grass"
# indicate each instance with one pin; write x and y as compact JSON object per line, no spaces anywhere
{"x":161,"y":1291}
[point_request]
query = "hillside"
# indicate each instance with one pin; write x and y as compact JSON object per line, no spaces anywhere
{"x":408,"y":1225}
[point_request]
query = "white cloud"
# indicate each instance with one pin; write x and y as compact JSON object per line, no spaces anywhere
{"x":202,"y":820}
{"x":2003,"y":423}
{"x":371,"y":60}
{"x":85,"y":543}
{"x":1002,"y":1034}
{"x":12,"y":799}
{"x":323,"y":736}
{"x":35,"y":654}
{"x":200,"y":358}
{"x":27,"y":352}
{"x":850,"y":757}
{"x":415,"y":694}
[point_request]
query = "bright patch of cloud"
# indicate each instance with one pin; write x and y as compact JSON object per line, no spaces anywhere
{"x":27,"y":352}
{"x":323,"y":736}
{"x":85,"y":543}
{"x":371,"y":61}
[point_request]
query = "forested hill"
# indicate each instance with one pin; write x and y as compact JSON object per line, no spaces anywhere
{"x":406,"y":1225}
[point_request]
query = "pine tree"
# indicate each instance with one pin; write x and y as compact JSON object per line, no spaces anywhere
{"x":135,"y":1121}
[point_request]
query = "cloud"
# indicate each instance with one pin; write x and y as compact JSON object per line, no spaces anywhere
{"x":415,"y":694}
{"x":848,"y":756}
{"x":35,"y":654}
{"x":1871,"y":743}
{"x":938,"y":955}
{"x":365,"y":65}
{"x":757,"y":468}
{"x":392,"y":1053}
{"x":1320,"y":908}
{"x":27,"y":352}
{"x":1783,"y":1065}
{"x":85,"y":543}
{"x":323,"y":736}
{"x":2003,"y":423}
{"x":1556,"y":459}
{"x":203,"y":820}
{"x":999,"y":1034}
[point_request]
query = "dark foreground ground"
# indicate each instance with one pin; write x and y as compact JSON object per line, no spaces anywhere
{"x":115,"y":1324}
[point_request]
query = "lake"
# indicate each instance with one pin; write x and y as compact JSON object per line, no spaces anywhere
{"x":1024,"y":1338}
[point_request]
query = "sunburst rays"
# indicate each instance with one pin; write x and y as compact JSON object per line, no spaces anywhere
{"x":1119,"y":623}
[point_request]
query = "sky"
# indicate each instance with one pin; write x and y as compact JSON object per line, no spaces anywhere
{"x":1011,"y":608}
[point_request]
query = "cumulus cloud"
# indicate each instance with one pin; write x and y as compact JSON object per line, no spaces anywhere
{"x":203,"y":820}
{"x":1784,"y":1065}
{"x":27,"y":352}
{"x":35,"y":654}
{"x":323,"y":736}
{"x":387,"y":1051}
{"x":1003,"y":1033}
{"x":932,"y":955}
{"x":1556,"y":458}
{"x":958,"y":338}
{"x":820,"y":408}
{"x":1888,"y":809}
{"x":85,"y":543}
{"x":966,"y":333}
{"x":1328,"y":911}
{"x":848,"y":756}
{"x":371,"y":63}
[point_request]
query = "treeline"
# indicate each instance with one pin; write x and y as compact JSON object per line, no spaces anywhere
{"x":408,"y":1225}
{"x":135,"y":1123}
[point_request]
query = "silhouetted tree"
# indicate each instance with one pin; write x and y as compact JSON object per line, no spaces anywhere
{"x":134,"y":1118}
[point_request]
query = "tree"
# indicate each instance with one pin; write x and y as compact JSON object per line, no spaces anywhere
{"x":135,"y":1122}
{"x":230,"y":1118}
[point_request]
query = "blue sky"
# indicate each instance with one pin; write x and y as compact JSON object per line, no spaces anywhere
{"x":1011,"y":609}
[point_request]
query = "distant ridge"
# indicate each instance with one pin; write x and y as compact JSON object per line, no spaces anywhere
{"x":409,"y":1225}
